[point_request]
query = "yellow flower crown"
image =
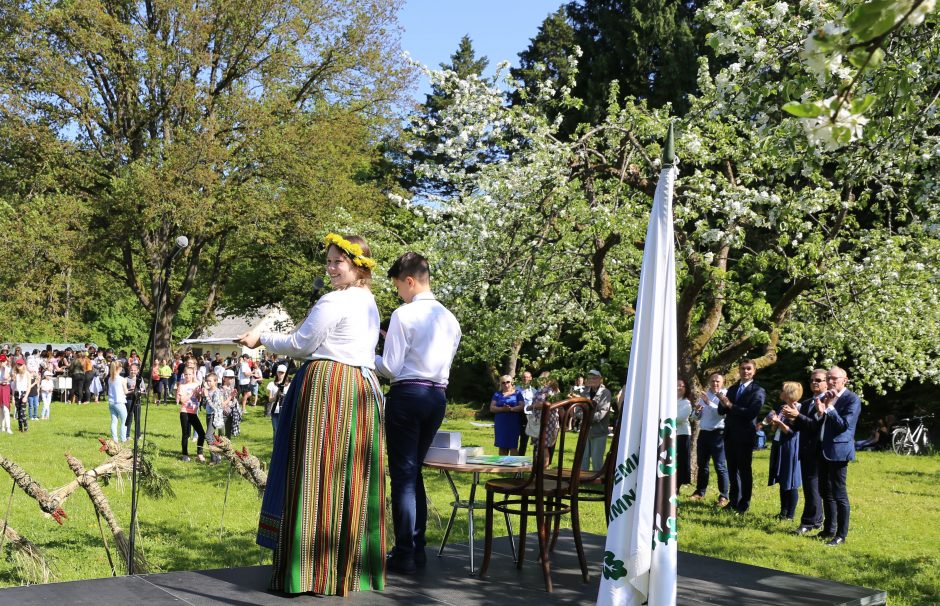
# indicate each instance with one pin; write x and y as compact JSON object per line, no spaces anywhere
{"x":353,"y":250}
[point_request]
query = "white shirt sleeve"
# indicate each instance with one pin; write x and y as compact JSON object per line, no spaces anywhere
{"x":318,"y":325}
{"x":390,"y":363}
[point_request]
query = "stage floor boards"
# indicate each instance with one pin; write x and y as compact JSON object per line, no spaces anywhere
{"x":446,"y":580}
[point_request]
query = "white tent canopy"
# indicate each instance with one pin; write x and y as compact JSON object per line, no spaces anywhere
{"x":220,"y":337}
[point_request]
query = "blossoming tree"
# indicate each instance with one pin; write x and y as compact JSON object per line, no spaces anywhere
{"x":824,"y":244}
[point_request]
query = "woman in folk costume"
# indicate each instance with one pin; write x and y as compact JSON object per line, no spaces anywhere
{"x":324,"y":504}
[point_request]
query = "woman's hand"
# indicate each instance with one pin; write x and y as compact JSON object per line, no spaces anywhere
{"x":250,"y":339}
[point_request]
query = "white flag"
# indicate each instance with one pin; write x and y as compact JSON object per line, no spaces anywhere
{"x":640,"y":555}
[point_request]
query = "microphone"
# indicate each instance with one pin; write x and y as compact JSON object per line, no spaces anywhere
{"x":315,"y":293}
{"x":181,"y":243}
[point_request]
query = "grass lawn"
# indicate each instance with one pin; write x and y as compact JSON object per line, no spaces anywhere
{"x":894,"y":542}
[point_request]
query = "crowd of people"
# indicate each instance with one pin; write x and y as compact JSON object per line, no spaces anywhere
{"x":812,"y":444}
{"x":517,"y":414}
{"x":812,"y":438}
{"x":220,"y":387}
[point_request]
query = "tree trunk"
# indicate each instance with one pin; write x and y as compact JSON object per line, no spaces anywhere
{"x":164,"y":341}
{"x":513,"y":360}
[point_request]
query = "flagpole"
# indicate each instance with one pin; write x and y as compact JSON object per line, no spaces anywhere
{"x":640,"y":554}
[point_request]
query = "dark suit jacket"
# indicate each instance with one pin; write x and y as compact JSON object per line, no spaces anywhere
{"x":808,"y":427}
{"x":838,"y":435}
{"x":745,"y":406}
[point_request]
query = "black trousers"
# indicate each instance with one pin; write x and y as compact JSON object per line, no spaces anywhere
{"x":86,"y":394}
{"x":684,"y":462}
{"x":788,"y":500}
{"x":78,"y":387}
{"x":739,"y":450}
{"x":812,"y":501}
{"x":835,"y":497}
{"x":21,"y":415}
{"x":190,"y":420}
{"x":133,"y":410}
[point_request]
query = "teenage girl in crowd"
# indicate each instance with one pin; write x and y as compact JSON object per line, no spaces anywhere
{"x":187,"y":396}
{"x":22,"y":382}
{"x":6,"y":375}
{"x":45,"y":392}
{"x":212,"y":398}
{"x":117,"y":403}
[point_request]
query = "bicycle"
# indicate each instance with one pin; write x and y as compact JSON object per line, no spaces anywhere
{"x":910,"y":437}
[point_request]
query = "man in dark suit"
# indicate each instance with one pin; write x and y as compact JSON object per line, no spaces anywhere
{"x":803,"y":420}
{"x":740,"y":407}
{"x":837,"y":414}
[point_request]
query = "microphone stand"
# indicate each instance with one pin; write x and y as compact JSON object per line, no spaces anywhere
{"x":151,"y":349}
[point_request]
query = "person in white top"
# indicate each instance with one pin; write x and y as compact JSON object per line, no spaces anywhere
{"x":683,"y":431}
{"x":528,"y":394}
{"x":45,"y":392}
{"x":711,"y":441}
{"x":420,"y":345}
{"x":117,"y":402}
{"x":244,"y":381}
{"x":327,"y":468}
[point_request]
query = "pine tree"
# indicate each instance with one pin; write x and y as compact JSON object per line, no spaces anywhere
{"x":649,"y":46}
{"x":465,"y":63}
{"x":547,"y":56}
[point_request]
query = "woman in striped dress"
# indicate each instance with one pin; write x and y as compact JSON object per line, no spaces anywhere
{"x":324,"y":504}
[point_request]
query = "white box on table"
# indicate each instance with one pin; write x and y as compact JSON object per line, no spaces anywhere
{"x":446,"y":439}
{"x":454,"y":456}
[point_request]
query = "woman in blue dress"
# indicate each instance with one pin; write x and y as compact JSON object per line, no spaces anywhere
{"x":508,"y":405}
{"x":785,"y":452}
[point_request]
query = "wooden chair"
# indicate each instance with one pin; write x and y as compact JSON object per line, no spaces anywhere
{"x":547,"y":493}
{"x":596,"y":486}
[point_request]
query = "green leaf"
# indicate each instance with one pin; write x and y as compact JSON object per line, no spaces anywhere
{"x":877,"y":57}
{"x":872,"y":19}
{"x":861,"y":104}
{"x":803,"y":110}
{"x":858,"y":57}
{"x":841,"y":134}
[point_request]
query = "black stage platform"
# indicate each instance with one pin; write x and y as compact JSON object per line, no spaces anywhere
{"x":446,"y":580}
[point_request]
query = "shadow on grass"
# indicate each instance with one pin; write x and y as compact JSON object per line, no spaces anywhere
{"x":917,"y":475}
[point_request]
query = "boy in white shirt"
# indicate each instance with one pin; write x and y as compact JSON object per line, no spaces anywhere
{"x":420,"y":344}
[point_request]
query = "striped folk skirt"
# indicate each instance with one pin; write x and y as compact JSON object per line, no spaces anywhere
{"x":331,"y":534}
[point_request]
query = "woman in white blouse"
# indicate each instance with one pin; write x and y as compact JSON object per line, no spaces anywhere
{"x":324,"y":503}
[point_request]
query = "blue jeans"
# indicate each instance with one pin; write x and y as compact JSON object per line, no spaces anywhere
{"x":711,"y":447}
{"x":118,"y":416}
{"x":413,"y":414}
{"x":33,"y":406}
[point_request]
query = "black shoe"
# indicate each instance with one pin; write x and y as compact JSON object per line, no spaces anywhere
{"x":399,"y":564}
{"x":804,"y":530}
{"x":421,"y":558}
{"x":835,"y":542}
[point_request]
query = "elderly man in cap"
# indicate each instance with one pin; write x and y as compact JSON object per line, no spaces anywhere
{"x":597,"y":434}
